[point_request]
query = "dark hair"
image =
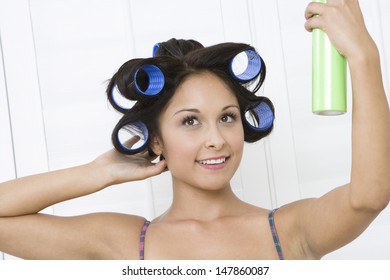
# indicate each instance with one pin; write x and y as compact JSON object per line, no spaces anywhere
{"x":176,"y":48}
{"x":177,"y":60}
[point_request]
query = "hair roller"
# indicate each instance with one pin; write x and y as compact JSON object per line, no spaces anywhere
{"x":122,"y":133}
{"x":149,"y":80}
{"x":259,"y":116}
{"x":118,"y":100}
{"x":246,"y":65}
{"x":120,"y":95}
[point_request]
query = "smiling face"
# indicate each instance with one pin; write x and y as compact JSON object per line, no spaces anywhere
{"x":201,"y":133}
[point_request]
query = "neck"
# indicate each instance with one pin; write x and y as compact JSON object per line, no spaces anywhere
{"x":191,"y":203}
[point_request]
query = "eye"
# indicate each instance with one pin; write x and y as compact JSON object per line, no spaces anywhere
{"x":190,"y":121}
{"x":229,"y":117}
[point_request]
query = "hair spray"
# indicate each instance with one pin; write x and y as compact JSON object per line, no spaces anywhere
{"x":329,"y":69}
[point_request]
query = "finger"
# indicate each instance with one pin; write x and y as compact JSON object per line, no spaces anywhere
{"x":314,"y":16}
{"x":155,"y":169}
{"x":162,"y":166}
{"x":314,"y":22}
{"x":130,"y":143}
{"x":314,"y":8}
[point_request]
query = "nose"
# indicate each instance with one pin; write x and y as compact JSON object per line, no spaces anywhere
{"x":214,"y":138}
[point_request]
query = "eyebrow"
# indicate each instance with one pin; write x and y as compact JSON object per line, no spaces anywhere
{"x":194,"y":110}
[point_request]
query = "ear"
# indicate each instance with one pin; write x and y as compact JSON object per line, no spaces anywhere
{"x":156,"y":145}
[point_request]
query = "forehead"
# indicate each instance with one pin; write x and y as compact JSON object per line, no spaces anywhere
{"x":203,"y":89}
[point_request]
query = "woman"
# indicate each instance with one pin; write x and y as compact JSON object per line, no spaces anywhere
{"x":199,"y":135}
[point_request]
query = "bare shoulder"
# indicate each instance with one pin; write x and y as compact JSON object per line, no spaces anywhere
{"x":288,"y":224}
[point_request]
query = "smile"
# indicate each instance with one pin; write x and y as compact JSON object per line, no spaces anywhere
{"x":213,"y":161}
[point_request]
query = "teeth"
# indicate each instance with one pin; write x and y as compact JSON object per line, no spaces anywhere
{"x":213,"y":161}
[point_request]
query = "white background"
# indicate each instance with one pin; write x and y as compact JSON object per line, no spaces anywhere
{"x":56,"y":58}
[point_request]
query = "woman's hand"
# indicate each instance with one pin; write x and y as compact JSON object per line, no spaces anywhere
{"x":125,"y":168}
{"x":343,"y":22}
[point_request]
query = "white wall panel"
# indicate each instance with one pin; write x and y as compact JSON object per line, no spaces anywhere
{"x":23,"y":88}
{"x":7,"y":164}
{"x":236,"y":19}
{"x":24,"y":102}
{"x":156,"y":21}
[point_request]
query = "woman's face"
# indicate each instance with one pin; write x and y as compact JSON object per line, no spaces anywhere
{"x":201,"y":134}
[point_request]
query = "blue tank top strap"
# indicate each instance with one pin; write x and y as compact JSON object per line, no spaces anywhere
{"x":142,"y":240}
{"x":275,"y":234}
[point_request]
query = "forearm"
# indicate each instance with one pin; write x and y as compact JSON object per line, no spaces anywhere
{"x":370,"y":178}
{"x":31,"y":194}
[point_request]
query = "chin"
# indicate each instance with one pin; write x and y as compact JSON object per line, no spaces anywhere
{"x":213,"y":184}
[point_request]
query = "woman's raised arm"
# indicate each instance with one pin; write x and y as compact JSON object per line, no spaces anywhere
{"x":335,"y":219}
{"x":31,"y":194}
{"x":27,"y":234}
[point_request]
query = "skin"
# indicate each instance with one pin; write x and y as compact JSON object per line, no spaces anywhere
{"x":214,"y":223}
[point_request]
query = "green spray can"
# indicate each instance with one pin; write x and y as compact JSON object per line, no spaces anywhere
{"x":329,"y":69}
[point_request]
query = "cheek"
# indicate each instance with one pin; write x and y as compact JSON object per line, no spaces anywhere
{"x":177,"y":147}
{"x":236,"y":140}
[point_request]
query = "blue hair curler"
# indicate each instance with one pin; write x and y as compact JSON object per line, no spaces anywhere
{"x":136,"y":128}
{"x":249,"y":59}
{"x":259,"y":117}
{"x":155,"y":79}
{"x":155,"y":49}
